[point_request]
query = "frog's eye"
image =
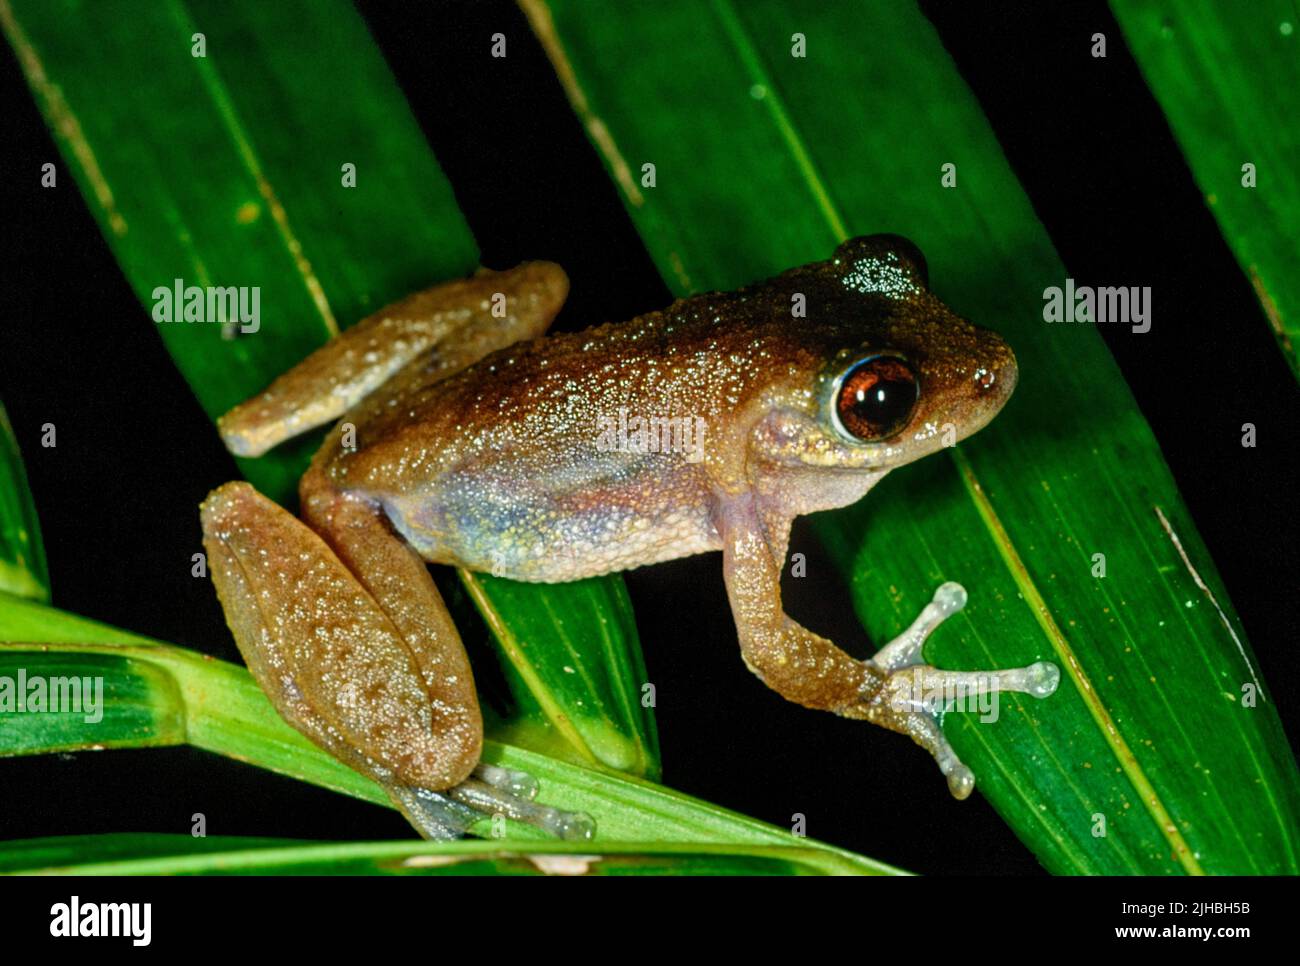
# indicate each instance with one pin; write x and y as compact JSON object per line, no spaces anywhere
{"x":876,"y":398}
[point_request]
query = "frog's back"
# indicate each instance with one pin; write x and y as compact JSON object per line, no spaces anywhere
{"x":523,"y":463}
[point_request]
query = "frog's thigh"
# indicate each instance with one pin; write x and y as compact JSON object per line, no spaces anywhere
{"x":454,"y":324}
{"x":369,"y":668}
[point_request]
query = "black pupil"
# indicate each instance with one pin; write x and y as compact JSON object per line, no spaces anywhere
{"x":877,"y":397}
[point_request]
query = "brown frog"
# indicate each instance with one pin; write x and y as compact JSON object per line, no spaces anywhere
{"x":467,"y":438}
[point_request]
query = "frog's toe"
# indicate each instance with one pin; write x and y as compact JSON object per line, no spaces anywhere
{"x":513,"y":781}
{"x":435,"y":815}
{"x":1041,"y":679}
{"x":905,"y":650}
{"x":961,"y":782}
{"x":491,"y":791}
{"x":494,"y":790}
{"x":923,"y":727}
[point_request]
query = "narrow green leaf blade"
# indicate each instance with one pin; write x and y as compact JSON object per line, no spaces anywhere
{"x":1150,"y":758}
{"x":1228,"y":79}
{"x":227,"y":169}
{"x":133,"y":854}
{"x":157,"y":694}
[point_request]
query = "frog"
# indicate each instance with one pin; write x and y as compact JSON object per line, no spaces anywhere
{"x":465,"y":435}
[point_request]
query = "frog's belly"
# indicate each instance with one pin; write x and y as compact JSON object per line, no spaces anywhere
{"x":553,"y":535}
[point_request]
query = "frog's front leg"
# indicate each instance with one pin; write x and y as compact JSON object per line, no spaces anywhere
{"x":893,"y":689}
{"x":344,"y":629}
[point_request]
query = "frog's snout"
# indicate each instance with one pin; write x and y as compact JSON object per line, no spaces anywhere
{"x":996,"y":374}
{"x":989,"y":377}
{"x":995,"y":383}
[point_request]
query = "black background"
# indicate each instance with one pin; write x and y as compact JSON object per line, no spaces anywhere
{"x":118,"y":496}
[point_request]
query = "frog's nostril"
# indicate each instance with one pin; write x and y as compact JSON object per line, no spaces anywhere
{"x":999,"y":380}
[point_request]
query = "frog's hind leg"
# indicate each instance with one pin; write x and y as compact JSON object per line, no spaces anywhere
{"x":342,"y":626}
{"x":452,"y":325}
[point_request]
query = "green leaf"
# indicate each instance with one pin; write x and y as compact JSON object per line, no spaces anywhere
{"x":156,"y":694}
{"x":1150,"y":758}
{"x":1228,"y":79}
{"x":22,"y":555}
{"x":226,"y":169}
{"x":134,"y":854}
{"x":571,"y":653}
